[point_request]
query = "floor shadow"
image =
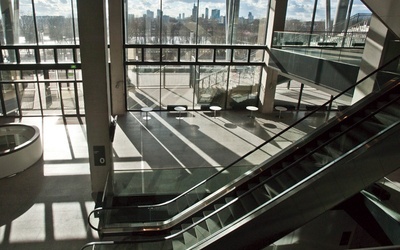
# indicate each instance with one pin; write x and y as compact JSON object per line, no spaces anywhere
{"x":18,"y":192}
{"x":269,"y":125}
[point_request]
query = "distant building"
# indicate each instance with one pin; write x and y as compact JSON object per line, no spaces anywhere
{"x":149,"y":14}
{"x":215,"y":14}
{"x":250,"y":17}
{"x":194,"y":13}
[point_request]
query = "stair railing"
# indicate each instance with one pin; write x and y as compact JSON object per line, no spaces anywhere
{"x":206,"y":190}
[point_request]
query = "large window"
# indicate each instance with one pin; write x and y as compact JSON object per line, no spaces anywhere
{"x":196,"y":22}
{"x":39,"y":52}
{"x":188,"y":53}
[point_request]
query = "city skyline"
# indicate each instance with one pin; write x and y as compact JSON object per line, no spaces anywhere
{"x":297,"y":9}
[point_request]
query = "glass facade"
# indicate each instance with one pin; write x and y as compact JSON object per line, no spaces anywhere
{"x":196,"y":54}
{"x":40,"y":54}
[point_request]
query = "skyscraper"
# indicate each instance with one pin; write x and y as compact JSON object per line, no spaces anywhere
{"x":215,"y":14}
{"x":194,"y":12}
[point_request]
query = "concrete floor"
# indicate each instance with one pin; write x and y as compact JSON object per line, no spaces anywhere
{"x":46,"y":206}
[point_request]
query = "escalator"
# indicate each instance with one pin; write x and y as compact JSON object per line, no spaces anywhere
{"x":253,"y":208}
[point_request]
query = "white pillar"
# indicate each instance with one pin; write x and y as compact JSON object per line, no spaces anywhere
{"x":268,"y":89}
{"x":373,"y":57}
{"x":95,"y":75}
{"x":277,"y":17}
{"x":115,"y":11}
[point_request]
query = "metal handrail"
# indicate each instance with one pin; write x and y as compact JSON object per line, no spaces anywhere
{"x":322,"y":107}
{"x":248,"y":192}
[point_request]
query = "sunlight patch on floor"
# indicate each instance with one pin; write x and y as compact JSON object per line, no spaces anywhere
{"x":68,"y":221}
{"x":30,"y":226}
{"x":66,"y":169}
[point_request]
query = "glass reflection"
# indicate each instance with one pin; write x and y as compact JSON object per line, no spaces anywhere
{"x":299,"y":15}
{"x":29,"y":97}
{"x":143,"y":86}
{"x":210,"y":85}
{"x":143,"y":22}
{"x":176,"y":86}
{"x":198,"y":22}
{"x":26,"y":33}
{"x":27,"y":55}
{"x":10,"y":99}
{"x":243,"y":86}
{"x":56,"y":28}
{"x":243,"y":20}
{"x":179,"y":22}
{"x":50,"y":98}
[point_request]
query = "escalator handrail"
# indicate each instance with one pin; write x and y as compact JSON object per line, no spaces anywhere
{"x":293,"y":164}
{"x":248,"y":192}
{"x":253,"y":150}
{"x":288,"y":190}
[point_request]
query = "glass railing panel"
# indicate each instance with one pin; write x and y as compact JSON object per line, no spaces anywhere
{"x":355,"y":132}
{"x":330,"y":39}
{"x":170,"y":181}
{"x":346,"y":48}
{"x":166,"y":244}
{"x":220,"y":181}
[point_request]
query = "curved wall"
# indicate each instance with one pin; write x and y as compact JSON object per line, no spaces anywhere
{"x":20,"y":148}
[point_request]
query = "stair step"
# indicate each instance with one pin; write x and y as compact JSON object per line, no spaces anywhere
{"x":225,"y":216}
{"x":212,"y":222}
{"x":152,"y":245}
{"x":333,"y":151}
{"x":178,"y":242}
{"x":189,"y":235}
{"x":393,"y":109}
{"x":333,"y":147}
{"x":285,"y":180}
{"x":260,"y":194}
{"x":321,"y":158}
{"x":373,"y":125}
{"x":272,"y":187}
{"x":297,"y":173}
{"x":201,"y":229}
{"x":386,"y":118}
{"x":236,"y":208}
{"x":309,"y":165}
{"x":176,"y":245}
{"x":248,"y":201}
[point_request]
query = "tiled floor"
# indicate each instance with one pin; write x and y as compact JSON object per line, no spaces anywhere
{"x":46,"y":206}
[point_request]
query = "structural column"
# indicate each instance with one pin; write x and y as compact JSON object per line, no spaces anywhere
{"x":276,"y":22}
{"x":379,"y":49}
{"x":268,"y":89}
{"x":94,"y":57}
{"x":115,"y":10}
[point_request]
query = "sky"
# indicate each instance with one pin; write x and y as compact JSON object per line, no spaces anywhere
{"x":297,"y":9}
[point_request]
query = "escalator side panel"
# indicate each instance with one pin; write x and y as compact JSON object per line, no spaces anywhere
{"x":287,"y":213}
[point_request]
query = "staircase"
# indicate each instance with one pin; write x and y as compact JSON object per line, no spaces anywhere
{"x":301,"y":182}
